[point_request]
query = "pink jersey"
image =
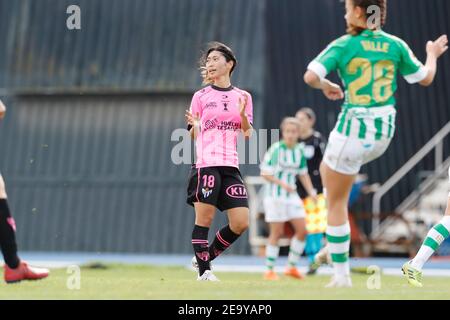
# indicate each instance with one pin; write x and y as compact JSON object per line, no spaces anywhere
{"x":218,"y":109}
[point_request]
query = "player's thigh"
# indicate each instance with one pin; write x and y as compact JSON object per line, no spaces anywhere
{"x":297,"y":215}
{"x":204,"y":186}
{"x":233,"y":192}
{"x":276,"y":229}
{"x":344,"y":154}
{"x":338,"y":185}
{"x":238,"y":219}
{"x":233,"y":199}
{"x":299,"y":225}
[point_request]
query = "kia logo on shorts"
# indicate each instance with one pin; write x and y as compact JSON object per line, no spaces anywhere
{"x":237,"y":191}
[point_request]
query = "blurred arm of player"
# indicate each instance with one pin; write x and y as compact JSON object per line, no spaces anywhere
{"x":2,"y":110}
{"x":193,"y":122}
{"x":246,"y":127}
{"x":331,"y":90}
{"x":305,"y":179}
{"x":271,"y":178}
{"x":435,"y":49}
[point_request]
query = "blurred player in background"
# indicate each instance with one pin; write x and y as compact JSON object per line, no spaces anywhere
{"x":283,"y":164}
{"x":316,"y":214}
{"x":15,"y":270}
{"x":218,"y":114}
{"x":413,"y":269}
{"x":367,"y":60}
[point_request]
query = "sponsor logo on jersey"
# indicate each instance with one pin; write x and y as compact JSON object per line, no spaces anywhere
{"x":210,"y":124}
{"x":229,"y":125}
{"x":206,"y":192}
{"x":211,"y":105}
{"x":237,"y":191}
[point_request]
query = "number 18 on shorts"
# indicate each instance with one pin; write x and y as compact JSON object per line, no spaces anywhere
{"x":221,"y":187}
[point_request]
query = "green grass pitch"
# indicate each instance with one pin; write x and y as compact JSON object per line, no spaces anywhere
{"x":176,"y":283}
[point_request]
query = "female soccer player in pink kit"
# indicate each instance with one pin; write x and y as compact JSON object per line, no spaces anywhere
{"x":218,"y":113}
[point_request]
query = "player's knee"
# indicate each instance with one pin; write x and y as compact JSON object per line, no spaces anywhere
{"x":276,"y":234}
{"x":244,"y":226}
{"x":240,"y":226}
{"x":204,"y":220}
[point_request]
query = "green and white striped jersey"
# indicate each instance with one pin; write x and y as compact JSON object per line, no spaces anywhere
{"x":285,"y":164}
{"x":368,"y":65}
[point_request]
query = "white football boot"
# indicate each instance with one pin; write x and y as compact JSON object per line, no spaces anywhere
{"x":207,"y":276}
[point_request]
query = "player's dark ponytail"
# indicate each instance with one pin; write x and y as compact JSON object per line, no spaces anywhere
{"x":365,"y":4}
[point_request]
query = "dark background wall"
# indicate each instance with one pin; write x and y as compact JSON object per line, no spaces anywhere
{"x":86,"y":142}
{"x":125,"y":45}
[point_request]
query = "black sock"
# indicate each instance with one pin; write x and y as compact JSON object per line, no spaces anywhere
{"x":224,"y":238}
{"x":8,"y":236}
{"x":201,"y":248}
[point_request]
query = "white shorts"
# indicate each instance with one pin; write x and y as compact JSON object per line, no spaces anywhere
{"x":276,"y":210}
{"x":347,"y":155}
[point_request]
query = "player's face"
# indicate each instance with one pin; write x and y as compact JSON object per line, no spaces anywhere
{"x":352,"y":14}
{"x":290,"y":133}
{"x":305,"y":122}
{"x":217,"y":66}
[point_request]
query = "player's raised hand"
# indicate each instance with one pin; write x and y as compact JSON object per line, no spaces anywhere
{"x":191,"y":119}
{"x":243,"y":105}
{"x":332,"y":91}
{"x":438,"y":47}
